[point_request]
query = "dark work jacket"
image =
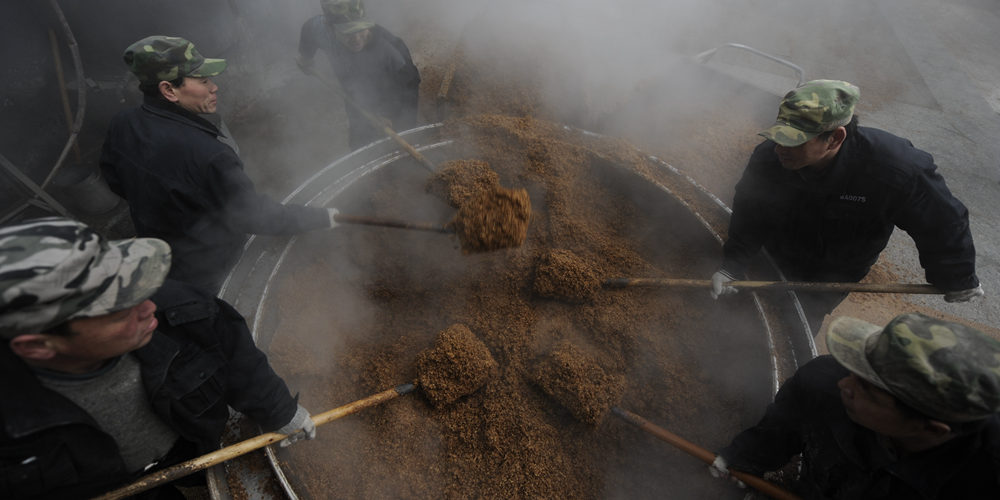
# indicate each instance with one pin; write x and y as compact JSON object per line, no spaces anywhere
{"x":833,"y":227}
{"x":844,"y":461}
{"x":189,"y":189}
{"x":381,"y":77}
{"x":200,"y":360}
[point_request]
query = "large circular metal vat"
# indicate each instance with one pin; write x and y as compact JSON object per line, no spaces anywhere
{"x":342,"y":314}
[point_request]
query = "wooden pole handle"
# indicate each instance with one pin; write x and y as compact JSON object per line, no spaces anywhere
{"x":378,"y":221}
{"x":702,"y":454}
{"x":378,"y":123}
{"x":243,"y":447}
{"x":804,"y":286}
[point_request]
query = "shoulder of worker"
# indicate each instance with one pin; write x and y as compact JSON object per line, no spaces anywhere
{"x":180,"y":303}
{"x":764,"y":167}
{"x":822,"y":368}
{"x":887,"y":157}
{"x":315,"y":26}
{"x":818,"y":375}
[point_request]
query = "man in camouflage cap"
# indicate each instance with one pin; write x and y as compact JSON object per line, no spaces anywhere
{"x":109,"y":370}
{"x":182,"y":177}
{"x":167,"y":58}
{"x":905,"y":411}
{"x":373,"y":66}
{"x":823,"y":195}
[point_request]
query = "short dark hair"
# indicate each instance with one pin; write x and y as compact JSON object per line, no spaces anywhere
{"x":851,"y":127}
{"x":153,"y":90}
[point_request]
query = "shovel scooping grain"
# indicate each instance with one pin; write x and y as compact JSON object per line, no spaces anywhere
{"x":578,"y":382}
{"x":561,"y":274}
{"x":459,"y":180}
{"x":457,"y":365}
{"x":492,"y":220}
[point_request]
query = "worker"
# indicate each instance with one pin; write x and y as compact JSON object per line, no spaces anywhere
{"x":902,"y":412}
{"x":110,"y":371}
{"x":822,"y":195}
{"x":373,"y":66}
{"x":183,"y":184}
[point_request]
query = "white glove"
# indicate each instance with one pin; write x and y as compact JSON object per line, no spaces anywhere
{"x":719,"y":287}
{"x":720,"y":470}
{"x":301,"y":421}
{"x":332,"y":212}
{"x":964,"y":295}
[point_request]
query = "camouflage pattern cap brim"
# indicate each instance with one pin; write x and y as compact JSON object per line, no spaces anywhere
{"x":352,"y":27}
{"x":211,"y":67}
{"x":787,"y":135}
{"x":815,"y":107}
{"x":848,"y":340}
{"x":53,"y":270}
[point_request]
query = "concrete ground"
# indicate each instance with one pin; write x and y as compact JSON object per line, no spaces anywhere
{"x":955,"y":50}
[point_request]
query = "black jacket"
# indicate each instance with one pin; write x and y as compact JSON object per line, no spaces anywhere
{"x":186,"y":187}
{"x":833,"y":227}
{"x":200,"y":361}
{"x":842,"y":460}
{"x":381,"y":77}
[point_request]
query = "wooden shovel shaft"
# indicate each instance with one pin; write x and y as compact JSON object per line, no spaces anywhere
{"x":378,"y":123}
{"x":777,"y":285}
{"x":378,"y":221}
{"x":702,"y":454}
{"x":243,"y":447}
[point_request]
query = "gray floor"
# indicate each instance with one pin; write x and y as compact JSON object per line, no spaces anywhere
{"x":955,"y":47}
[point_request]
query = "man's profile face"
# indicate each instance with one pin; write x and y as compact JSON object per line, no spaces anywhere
{"x":357,"y":41}
{"x":809,"y":153}
{"x":872,"y":407}
{"x":197,"y":95}
{"x":107,"y":336}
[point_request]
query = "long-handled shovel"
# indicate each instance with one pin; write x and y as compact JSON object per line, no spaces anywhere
{"x":776,"y":285}
{"x":243,"y":447}
{"x":377,"y":122}
{"x":441,"y":373}
{"x":581,"y":385}
{"x":379,"y":221}
{"x":702,"y":454}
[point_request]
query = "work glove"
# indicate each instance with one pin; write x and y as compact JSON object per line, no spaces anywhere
{"x":332,"y":212}
{"x":720,"y":470}
{"x":719,"y":286}
{"x":305,"y":64}
{"x":964,"y":295}
{"x":300,"y":426}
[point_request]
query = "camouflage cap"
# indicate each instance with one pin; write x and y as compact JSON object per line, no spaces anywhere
{"x":342,"y":11}
{"x":944,"y":370}
{"x":352,"y":27}
{"x":56,"y":269}
{"x":166,"y":58}
{"x":817,"y":106}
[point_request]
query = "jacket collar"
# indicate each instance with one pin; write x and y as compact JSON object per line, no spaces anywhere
{"x":155,"y":358}
{"x":166,"y":109}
